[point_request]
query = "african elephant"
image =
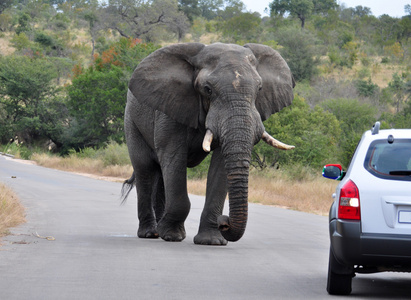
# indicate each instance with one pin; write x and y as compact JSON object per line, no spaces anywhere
{"x":184,"y":101}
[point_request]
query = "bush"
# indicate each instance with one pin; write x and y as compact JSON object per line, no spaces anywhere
{"x":366,"y":88}
{"x":29,"y":100}
{"x":200,"y":171}
{"x":299,"y":50}
{"x":354,"y":118}
{"x":314,"y":132}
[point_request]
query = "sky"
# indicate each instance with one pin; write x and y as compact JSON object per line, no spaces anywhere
{"x":395,"y":8}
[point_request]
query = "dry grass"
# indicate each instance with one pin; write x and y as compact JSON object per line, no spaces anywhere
{"x":381,"y":74}
{"x":313,"y":195}
{"x":5,"y":47}
{"x":83,"y":165}
{"x":11,"y":211}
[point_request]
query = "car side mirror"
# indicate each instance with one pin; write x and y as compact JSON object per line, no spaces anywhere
{"x":333,"y":171}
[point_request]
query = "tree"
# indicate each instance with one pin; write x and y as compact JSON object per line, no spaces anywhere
{"x":190,"y":8}
{"x":23,"y":23}
{"x":4,"y":4}
{"x":97,"y":95}
{"x":132,"y":18}
{"x":398,"y":88}
{"x":299,"y":52}
{"x":387,"y":29}
{"x":301,"y":9}
{"x":96,"y":99}
{"x":30,"y":99}
{"x":243,"y":27}
{"x":298,"y":8}
{"x":354,"y":118}
{"x":315,"y":133}
{"x":210,"y":8}
{"x":233,"y":8}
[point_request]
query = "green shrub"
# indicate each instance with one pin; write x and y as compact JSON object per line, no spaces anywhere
{"x":200,"y":171}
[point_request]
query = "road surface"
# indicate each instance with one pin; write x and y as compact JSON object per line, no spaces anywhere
{"x":95,"y":253}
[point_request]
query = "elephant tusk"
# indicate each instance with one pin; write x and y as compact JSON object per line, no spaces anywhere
{"x":208,"y":138}
{"x":275,"y":143}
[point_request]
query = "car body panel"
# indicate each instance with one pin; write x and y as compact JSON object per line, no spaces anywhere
{"x":381,"y":240}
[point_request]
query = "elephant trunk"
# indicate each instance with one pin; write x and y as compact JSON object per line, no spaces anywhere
{"x":236,"y":145}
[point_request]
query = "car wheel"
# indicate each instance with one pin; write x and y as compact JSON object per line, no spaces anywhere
{"x":337,"y":284}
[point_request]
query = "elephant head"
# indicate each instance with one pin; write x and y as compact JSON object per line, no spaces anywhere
{"x":224,"y":91}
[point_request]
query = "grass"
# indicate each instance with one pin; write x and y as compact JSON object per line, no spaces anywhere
{"x":11,"y":211}
{"x":94,"y":166}
{"x":312,"y":194}
{"x":110,"y":161}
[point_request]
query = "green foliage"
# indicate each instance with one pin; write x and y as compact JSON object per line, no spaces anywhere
{"x":243,"y":27}
{"x":18,"y":149}
{"x":29,"y":99}
{"x":299,"y":51}
{"x":126,"y":53}
{"x":200,"y":171}
{"x":4,"y":4}
{"x":398,"y":88}
{"x":97,"y":96}
{"x":23,"y":23}
{"x":299,"y":8}
{"x":96,"y":99}
{"x":302,"y":9}
{"x":20,"y":41}
{"x":366,"y":88}
{"x":314,"y":132}
{"x":111,"y":153}
{"x":354,"y":118}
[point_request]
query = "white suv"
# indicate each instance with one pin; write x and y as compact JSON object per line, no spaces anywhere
{"x":370,"y":218}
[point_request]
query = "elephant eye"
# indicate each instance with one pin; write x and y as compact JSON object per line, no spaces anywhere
{"x":208,"y":91}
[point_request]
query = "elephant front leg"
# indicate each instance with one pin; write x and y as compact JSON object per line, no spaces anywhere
{"x":208,"y":233}
{"x":177,"y":206}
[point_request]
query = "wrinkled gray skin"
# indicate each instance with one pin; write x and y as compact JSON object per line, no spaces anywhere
{"x":175,"y":95}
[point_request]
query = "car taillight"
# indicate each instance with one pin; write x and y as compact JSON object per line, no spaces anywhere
{"x":349,"y":207}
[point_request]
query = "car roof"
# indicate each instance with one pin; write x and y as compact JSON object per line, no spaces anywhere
{"x":385,"y":133}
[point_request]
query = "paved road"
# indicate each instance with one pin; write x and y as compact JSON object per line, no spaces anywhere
{"x":96,"y":254}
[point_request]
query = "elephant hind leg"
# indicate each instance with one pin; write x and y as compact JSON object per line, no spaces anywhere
{"x":146,"y":172}
{"x":146,"y":184}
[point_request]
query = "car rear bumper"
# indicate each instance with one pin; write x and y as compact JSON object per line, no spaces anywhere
{"x":382,"y":251}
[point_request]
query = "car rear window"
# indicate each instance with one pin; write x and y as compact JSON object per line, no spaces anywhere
{"x":389,"y":159}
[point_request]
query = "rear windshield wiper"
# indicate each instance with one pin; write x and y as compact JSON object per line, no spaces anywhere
{"x":401,"y":173}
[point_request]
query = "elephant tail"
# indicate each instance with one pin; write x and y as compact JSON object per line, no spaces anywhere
{"x":127,"y":187}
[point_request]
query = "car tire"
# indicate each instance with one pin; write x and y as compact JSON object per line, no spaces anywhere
{"x":337,"y":284}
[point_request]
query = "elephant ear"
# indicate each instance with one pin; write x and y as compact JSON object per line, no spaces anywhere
{"x":278,"y":82}
{"x":164,"y":81}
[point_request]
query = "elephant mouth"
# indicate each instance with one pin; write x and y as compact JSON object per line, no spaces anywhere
{"x":266,"y":137}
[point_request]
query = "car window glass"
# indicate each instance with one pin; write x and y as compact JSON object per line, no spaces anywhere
{"x":389,"y":160}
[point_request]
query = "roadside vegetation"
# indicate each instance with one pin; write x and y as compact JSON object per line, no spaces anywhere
{"x":65,"y":66}
{"x":11,"y":211}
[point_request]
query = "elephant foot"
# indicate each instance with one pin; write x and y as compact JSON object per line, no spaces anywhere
{"x":147,"y":232}
{"x":171,"y":231}
{"x":210,"y":237}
